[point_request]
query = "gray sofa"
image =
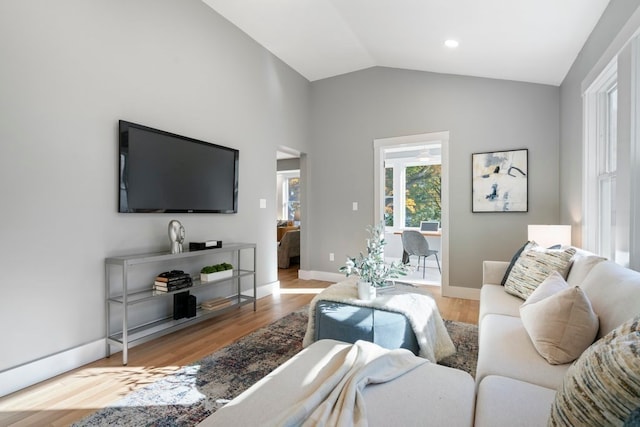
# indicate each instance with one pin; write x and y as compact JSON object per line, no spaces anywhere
{"x":515,"y":385}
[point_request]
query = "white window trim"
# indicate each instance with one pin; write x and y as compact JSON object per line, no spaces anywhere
{"x":399,"y":187}
{"x":634,"y":221}
{"x":284,"y":190}
{"x":593,"y":131}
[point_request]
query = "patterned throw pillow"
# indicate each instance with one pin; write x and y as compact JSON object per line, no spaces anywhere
{"x":515,"y":257}
{"x":603,"y":386}
{"x":534,"y":266}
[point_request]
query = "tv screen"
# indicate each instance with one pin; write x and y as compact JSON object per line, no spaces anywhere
{"x":164,"y":172}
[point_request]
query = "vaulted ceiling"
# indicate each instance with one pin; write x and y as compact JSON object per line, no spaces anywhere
{"x":523,"y":40}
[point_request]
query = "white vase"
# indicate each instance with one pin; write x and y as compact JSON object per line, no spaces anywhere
{"x":366,"y":291}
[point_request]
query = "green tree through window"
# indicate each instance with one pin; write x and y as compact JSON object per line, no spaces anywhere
{"x":423,"y":194}
{"x":388,"y":197}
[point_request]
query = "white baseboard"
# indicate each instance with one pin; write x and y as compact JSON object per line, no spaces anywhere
{"x":460,"y":292}
{"x":31,"y":373}
{"x":263,"y":290}
{"x":320,"y":275}
{"x":34,"y":372}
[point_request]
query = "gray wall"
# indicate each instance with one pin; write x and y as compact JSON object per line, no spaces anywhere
{"x":71,"y":69}
{"x":571,"y":136}
{"x":348,"y":112}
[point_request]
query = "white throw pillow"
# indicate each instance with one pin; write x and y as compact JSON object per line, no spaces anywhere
{"x":581,"y":265}
{"x":551,"y":285}
{"x":562,"y":325}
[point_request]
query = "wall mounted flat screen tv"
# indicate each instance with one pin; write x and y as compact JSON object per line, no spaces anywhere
{"x":165,"y":172}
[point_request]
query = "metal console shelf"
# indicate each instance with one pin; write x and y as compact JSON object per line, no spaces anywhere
{"x":126,"y":298}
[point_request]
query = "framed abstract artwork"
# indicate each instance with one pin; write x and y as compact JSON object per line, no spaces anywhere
{"x":500,"y":181}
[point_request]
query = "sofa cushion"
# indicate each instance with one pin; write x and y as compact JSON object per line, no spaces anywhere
{"x":562,"y":325}
{"x":507,"y":350}
{"x":603,"y":386}
{"x":553,"y":284}
{"x":507,"y":402}
{"x":450,"y":393}
{"x":494,"y":300}
{"x":533,"y":266}
{"x":581,"y":265}
{"x":614,"y":292}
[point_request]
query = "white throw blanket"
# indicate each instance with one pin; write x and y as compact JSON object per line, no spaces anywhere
{"x":338,"y":400}
{"x":421,"y":310}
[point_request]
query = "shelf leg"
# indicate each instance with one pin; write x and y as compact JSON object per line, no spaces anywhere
{"x":125,"y":316}
{"x":107,"y":307}
{"x":255,"y":295}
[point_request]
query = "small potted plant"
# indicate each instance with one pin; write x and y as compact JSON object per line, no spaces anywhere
{"x":216,"y":272}
{"x":371,"y":268}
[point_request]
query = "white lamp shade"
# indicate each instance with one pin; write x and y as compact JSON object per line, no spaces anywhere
{"x":550,"y":235}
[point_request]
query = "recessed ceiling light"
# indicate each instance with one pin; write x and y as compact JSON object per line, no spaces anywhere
{"x":451,"y":43}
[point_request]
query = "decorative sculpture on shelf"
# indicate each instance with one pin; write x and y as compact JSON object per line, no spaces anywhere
{"x":176,"y":236}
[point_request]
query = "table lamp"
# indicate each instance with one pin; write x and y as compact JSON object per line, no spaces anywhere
{"x":550,"y":235}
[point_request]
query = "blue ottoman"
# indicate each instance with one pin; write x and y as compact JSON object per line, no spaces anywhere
{"x":349,"y":323}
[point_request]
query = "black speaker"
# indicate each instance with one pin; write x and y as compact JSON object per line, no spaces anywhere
{"x":191,"y":306}
{"x":180,"y":305}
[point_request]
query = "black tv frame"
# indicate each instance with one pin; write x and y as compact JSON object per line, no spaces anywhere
{"x":123,"y":143}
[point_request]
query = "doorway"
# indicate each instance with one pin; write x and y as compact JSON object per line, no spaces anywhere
{"x":289,"y":211}
{"x":411,"y":193}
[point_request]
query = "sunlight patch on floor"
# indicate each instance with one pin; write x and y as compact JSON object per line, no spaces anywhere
{"x":124,"y":378}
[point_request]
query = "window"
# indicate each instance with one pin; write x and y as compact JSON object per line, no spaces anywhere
{"x":289,"y":195}
{"x":601,"y":103}
{"x":293,"y":199}
{"x":611,"y":224}
{"x":388,"y":196}
{"x":607,"y":175}
{"x":412,"y":185}
{"x":422,"y":194}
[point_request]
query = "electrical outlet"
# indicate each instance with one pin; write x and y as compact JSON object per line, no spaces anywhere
{"x":355,"y":206}
{"x":331,"y":257}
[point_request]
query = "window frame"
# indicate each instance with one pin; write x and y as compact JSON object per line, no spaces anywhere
{"x":598,"y":168}
{"x":284,"y":191}
{"x":400,"y":187}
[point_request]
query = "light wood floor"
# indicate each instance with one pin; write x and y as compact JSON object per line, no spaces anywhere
{"x":69,"y":397}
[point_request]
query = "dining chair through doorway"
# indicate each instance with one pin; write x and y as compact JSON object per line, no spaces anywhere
{"x":414,"y":243}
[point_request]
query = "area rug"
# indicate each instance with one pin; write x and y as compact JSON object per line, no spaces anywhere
{"x":194,"y":392}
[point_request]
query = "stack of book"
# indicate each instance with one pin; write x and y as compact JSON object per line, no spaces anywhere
{"x":215,"y":304}
{"x":172,"y":281}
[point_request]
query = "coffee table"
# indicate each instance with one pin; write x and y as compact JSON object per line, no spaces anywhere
{"x":404,"y":316}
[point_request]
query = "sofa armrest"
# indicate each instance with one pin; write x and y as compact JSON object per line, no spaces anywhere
{"x":493,"y":271}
